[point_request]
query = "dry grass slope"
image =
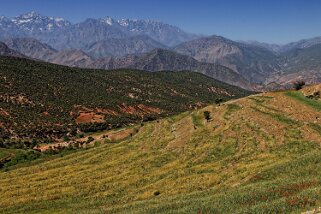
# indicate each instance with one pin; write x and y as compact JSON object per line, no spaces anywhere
{"x":259,"y":154}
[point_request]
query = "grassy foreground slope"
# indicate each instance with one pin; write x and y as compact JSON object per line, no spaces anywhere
{"x":259,"y":154}
{"x":43,"y":100}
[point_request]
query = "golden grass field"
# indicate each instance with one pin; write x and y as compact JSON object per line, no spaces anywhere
{"x":260,"y":154}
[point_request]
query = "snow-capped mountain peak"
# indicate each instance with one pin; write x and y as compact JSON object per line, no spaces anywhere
{"x":3,"y":18}
{"x":108,"y":20}
{"x":5,"y":22}
{"x":123,"y":22}
{"x":30,"y":15}
{"x":60,"y":33}
{"x":34,"y":22}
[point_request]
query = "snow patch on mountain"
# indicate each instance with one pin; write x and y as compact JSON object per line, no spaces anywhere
{"x":108,"y":20}
{"x":33,"y":22}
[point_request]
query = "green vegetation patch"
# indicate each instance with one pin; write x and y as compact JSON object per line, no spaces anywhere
{"x":279,"y":117}
{"x":257,"y":100}
{"x":316,"y":104}
{"x":231,"y":108}
{"x":316,"y":127}
{"x":3,"y":154}
{"x":197,"y":121}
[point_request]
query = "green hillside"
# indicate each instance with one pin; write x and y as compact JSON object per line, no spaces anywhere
{"x":46,"y":101}
{"x":259,"y":154}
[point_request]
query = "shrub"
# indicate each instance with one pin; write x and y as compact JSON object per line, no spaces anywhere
{"x":298,"y":85}
{"x":81,"y":135}
{"x":218,"y":100}
{"x":66,"y":138}
{"x":90,"y":139}
{"x":97,"y":143}
{"x":207,"y":115}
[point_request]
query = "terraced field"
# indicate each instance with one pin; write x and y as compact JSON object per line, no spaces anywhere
{"x":260,"y":154}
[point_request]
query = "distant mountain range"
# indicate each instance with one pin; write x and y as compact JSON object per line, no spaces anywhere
{"x":61,"y":34}
{"x":155,"y":60}
{"x":107,"y":43}
{"x":304,"y":43}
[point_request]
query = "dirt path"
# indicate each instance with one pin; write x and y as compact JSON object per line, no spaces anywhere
{"x":182,"y":132}
{"x":111,"y":136}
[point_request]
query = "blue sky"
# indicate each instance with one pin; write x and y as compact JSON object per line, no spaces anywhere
{"x":274,"y":21}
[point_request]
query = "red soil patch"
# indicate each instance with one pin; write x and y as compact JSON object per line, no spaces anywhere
{"x":89,"y":117}
{"x":149,"y":109}
{"x":139,"y":109}
{"x":51,"y":146}
{"x":3,"y":112}
{"x":45,"y":113}
{"x":127,"y":109}
{"x":106,"y":111}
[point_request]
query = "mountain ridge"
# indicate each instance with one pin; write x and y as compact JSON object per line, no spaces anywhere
{"x":253,"y":62}
{"x":46,"y":29}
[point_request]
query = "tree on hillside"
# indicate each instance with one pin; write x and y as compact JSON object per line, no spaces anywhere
{"x":218,"y":100}
{"x":207,"y":115}
{"x":299,"y":85}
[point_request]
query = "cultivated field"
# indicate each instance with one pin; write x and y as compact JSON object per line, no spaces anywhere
{"x":260,"y":154}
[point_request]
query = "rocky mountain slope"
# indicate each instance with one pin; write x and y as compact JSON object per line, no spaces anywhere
{"x":34,"y":49}
{"x":252,"y":62}
{"x":31,"y":48}
{"x":120,"y":47}
{"x":304,"y":43}
{"x":164,"y":33}
{"x":272,"y":47}
{"x":155,"y":60}
{"x":73,"y":58}
{"x":299,"y":64}
{"x":165,"y":60}
{"x":6,"y":51}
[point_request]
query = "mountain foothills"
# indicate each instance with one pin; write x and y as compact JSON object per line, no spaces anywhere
{"x":46,"y":101}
